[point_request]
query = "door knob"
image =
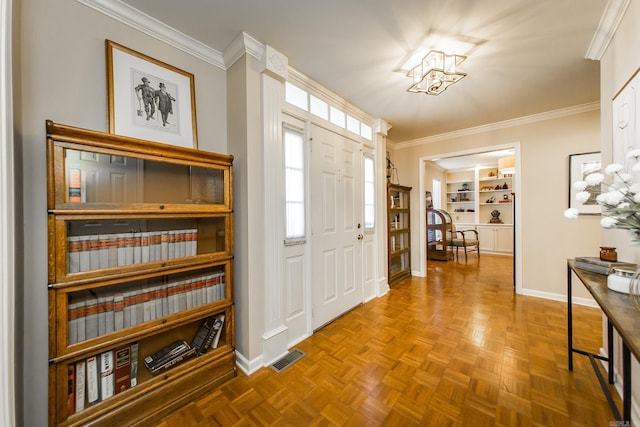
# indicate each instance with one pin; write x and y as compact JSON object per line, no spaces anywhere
{"x":360,"y":237}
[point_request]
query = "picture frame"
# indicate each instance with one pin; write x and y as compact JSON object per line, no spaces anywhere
{"x":581,"y":165}
{"x":626,"y":120}
{"x":149,"y":99}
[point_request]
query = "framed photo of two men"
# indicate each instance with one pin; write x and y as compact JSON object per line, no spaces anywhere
{"x":149,"y":99}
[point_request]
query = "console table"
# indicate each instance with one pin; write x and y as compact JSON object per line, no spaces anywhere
{"x":621,"y":315}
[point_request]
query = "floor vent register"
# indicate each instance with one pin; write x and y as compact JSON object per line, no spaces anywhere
{"x":288,"y":360}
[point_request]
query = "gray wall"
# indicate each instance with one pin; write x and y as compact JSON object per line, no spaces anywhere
{"x":60,"y":69}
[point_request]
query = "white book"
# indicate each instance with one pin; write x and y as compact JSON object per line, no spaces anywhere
{"x":139,"y":305}
{"x":129,"y":248}
{"x":93,"y":387}
{"x":82,"y":313}
{"x":218,"y":326}
{"x":91,"y":316}
{"x":109,"y":312}
{"x":102,"y":313}
{"x":145,"y":247}
{"x":121,"y":245}
{"x":193,"y":242}
{"x":127,"y":307}
{"x":94,"y":252}
{"x":201,"y":283}
{"x":112,"y":245}
{"x":85,"y":254}
{"x":189,"y":294}
{"x":134,"y":364}
{"x":157,"y":301}
{"x":165,"y":299}
{"x":74,"y":310}
{"x":103,"y":250}
{"x":164,"y":245}
{"x":181,"y":236}
{"x":137,"y":248}
{"x":171,"y":237}
{"x":173,"y":289}
{"x":73,"y":254}
{"x":148,"y":304}
{"x":118,"y":311}
{"x":106,"y":374}
{"x":182,"y":296}
{"x":80,"y":385}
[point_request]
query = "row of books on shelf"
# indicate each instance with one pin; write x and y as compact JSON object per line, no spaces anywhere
{"x":597,"y":265}
{"x":93,"y":252}
{"x":98,"y":312}
{"x":104,"y":375}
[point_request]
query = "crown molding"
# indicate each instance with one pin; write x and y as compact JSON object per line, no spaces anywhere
{"x":144,"y":23}
{"x":243,"y":44}
{"x":612,"y":16}
{"x":534,"y":118}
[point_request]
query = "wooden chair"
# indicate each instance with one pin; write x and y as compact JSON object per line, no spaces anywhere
{"x":464,"y":239}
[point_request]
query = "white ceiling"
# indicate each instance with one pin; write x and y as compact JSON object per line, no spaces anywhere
{"x":533,"y":59}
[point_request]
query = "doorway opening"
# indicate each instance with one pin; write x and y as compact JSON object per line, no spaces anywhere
{"x":466,"y":177}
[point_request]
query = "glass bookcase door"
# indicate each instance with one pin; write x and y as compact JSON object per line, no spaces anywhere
{"x":98,"y":244}
{"x":97,"y":312}
{"x":91,"y":180}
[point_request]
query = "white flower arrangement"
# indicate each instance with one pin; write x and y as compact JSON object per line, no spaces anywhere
{"x":621,"y":203}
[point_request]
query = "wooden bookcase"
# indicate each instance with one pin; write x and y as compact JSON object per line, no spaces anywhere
{"x":399,"y":232}
{"x":140,"y":242}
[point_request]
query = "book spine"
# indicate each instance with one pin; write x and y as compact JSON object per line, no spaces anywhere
{"x":109,"y":313}
{"x":93,"y":390}
{"x":106,"y":374}
{"x":103,"y":250}
{"x":145,"y":246}
{"x":113,"y":250}
{"x":91,"y":317}
{"x":75,"y":186}
{"x":122,"y":375}
{"x":134,"y":364}
{"x":85,"y":254}
{"x":71,"y":389}
{"x":94,"y":252}
{"x":74,"y":245}
{"x":137,"y":248}
{"x":129,"y":248}
{"x":121,"y":245}
{"x":218,"y":326}
{"x":80,"y":385}
{"x":102,"y":313}
{"x":171,"y":237}
{"x":118,"y":311}
{"x":164,"y":245}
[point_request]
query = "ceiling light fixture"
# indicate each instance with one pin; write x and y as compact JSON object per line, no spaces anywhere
{"x":436,"y":72}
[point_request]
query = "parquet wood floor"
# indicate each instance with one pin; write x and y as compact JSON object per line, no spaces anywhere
{"x":457,"y":348}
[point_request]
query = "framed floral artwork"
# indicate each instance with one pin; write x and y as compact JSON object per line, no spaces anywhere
{"x":580,"y":166}
{"x":149,"y":99}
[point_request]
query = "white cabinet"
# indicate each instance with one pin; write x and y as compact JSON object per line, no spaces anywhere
{"x":495,"y":238}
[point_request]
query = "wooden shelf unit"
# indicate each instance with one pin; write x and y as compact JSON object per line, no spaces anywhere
{"x":140,"y":242}
{"x":399,"y":232}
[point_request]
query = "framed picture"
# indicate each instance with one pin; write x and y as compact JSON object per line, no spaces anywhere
{"x":149,"y":99}
{"x":581,"y":165}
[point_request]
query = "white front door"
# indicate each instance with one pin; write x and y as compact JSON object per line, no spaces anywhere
{"x":336,"y":223}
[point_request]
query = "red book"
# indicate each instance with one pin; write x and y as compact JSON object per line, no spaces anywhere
{"x":123,"y":369}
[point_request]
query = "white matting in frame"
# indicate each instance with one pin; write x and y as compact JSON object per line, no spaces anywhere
{"x":149,"y":99}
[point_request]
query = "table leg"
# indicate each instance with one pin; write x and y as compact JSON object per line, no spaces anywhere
{"x":626,"y":383}
{"x":610,"y":349}
{"x":569,"y":321}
